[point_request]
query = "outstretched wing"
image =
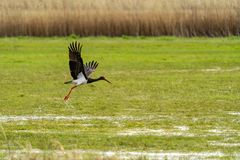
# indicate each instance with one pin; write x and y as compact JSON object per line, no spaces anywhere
{"x":90,"y":67}
{"x":75,"y":60}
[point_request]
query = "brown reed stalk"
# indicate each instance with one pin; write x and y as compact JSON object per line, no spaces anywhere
{"x":119,"y":17}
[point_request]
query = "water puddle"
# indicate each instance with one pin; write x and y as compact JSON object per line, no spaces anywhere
{"x":72,"y":118}
{"x":156,"y":132}
{"x":124,"y":154}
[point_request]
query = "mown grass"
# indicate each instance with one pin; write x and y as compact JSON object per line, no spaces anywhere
{"x":158,"y":83}
{"x":119,"y":17}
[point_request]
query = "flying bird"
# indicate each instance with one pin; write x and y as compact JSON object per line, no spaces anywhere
{"x":80,"y":72}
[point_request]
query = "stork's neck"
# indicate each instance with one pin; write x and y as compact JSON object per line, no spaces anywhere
{"x":90,"y":80}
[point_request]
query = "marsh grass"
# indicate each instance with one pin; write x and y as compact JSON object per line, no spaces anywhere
{"x":161,"y":84}
{"x":119,"y":17}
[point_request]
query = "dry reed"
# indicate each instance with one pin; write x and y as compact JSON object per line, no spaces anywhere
{"x":119,"y":17}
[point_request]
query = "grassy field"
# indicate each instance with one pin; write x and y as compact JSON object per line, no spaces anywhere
{"x":169,"y":95}
{"x":119,"y":17}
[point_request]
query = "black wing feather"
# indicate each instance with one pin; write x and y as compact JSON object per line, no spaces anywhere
{"x":75,"y":60}
{"x":90,"y":67}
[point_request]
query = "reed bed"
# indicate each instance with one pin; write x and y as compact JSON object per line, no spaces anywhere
{"x":119,"y":17}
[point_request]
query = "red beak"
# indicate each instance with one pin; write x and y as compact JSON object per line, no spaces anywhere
{"x":107,"y":80}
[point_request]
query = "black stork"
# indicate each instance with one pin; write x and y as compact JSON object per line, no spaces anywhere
{"x":80,"y":72}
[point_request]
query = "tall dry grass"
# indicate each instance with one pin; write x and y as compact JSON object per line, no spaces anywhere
{"x":119,"y":17}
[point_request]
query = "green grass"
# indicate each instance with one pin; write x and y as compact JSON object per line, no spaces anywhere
{"x":161,"y":83}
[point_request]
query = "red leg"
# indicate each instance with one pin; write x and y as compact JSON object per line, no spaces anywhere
{"x":67,"y":96}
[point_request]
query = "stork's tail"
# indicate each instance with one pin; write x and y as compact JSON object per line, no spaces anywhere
{"x":67,"y":82}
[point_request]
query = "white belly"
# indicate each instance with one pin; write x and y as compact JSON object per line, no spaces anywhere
{"x":81,"y":79}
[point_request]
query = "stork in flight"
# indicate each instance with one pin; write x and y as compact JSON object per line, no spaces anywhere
{"x":80,"y":72}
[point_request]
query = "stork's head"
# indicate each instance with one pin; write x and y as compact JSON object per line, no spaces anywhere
{"x":103,"y":78}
